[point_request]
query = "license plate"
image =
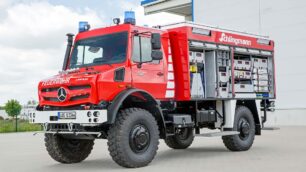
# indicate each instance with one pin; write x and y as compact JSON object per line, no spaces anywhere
{"x":66,"y":115}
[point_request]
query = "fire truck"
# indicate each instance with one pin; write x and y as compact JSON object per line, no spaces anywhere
{"x":136,"y":85}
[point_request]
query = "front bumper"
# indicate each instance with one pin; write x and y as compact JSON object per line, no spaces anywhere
{"x":79,"y":117}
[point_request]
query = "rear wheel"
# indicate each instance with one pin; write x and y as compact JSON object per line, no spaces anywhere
{"x":181,"y":140}
{"x":66,"y":150}
{"x":133,"y":139}
{"x":244,"y":123}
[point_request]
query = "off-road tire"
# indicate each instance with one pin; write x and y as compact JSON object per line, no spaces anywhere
{"x":67,"y":151}
{"x":120,"y":135}
{"x":240,"y":142}
{"x":178,"y":142}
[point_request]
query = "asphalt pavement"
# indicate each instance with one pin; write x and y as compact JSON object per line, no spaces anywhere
{"x":275,"y":151}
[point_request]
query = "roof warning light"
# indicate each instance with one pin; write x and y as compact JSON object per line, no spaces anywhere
{"x":129,"y":17}
{"x":83,"y":26}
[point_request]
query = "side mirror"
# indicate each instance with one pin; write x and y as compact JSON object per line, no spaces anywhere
{"x":157,"y":55}
{"x":156,"y":41}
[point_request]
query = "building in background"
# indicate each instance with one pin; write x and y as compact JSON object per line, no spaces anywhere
{"x":179,"y":7}
{"x":283,"y":21}
{"x":25,"y":111}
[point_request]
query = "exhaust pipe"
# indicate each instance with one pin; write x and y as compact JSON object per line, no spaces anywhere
{"x":68,"y":50}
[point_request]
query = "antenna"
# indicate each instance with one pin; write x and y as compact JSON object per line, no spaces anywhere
{"x":259,"y":16}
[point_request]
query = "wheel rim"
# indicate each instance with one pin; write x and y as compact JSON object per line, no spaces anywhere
{"x":73,"y":143}
{"x":139,"y":138}
{"x":182,"y":134}
{"x":244,"y":128}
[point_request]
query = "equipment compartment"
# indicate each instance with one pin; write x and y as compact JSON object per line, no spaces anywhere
{"x":223,"y":74}
{"x":261,"y":77}
{"x":211,"y":73}
{"x":260,"y":71}
{"x":196,"y":69}
{"x":244,"y":88}
{"x":261,"y":89}
{"x":261,"y":83}
{"x":223,"y":92}
{"x":242,"y":64}
{"x":199,"y":57}
{"x":260,"y":63}
{"x":242,"y":74}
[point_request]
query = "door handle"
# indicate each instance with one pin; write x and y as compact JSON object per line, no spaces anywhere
{"x":160,"y":74}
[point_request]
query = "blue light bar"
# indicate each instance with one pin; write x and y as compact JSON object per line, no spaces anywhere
{"x":129,"y":17}
{"x":83,"y":26}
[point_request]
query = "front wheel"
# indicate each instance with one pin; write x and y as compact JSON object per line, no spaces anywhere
{"x":245,"y":125}
{"x":133,"y":139}
{"x":67,"y":151}
{"x":182,"y":139}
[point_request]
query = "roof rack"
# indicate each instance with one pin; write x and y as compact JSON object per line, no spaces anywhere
{"x":202,"y":26}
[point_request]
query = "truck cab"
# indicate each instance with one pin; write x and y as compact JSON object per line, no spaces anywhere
{"x":111,"y":59}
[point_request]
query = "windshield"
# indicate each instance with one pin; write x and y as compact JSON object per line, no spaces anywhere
{"x":107,"y":49}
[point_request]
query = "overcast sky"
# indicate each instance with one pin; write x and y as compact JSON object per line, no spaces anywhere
{"x":32,"y":37}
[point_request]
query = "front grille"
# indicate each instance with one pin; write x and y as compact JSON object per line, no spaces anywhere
{"x":79,"y":87}
{"x":49,"y":89}
{"x":51,"y":99}
{"x":50,"y":94}
{"x":79,"y":97}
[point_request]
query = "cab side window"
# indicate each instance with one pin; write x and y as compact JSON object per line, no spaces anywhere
{"x":142,"y":48}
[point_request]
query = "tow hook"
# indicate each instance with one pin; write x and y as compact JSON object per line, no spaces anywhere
{"x":45,"y":125}
{"x":70,"y":126}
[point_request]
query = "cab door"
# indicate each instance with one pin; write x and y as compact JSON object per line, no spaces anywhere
{"x":147,"y":74}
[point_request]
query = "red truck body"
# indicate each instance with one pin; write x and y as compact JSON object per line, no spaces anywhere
{"x":175,"y":62}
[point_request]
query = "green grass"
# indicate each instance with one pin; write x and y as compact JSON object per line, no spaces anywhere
{"x":7,"y":126}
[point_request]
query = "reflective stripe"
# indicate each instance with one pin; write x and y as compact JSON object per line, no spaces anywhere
{"x":170,"y":67}
{"x":170,"y":85}
{"x":170,"y":76}
{"x":169,"y":93}
{"x":170,"y":59}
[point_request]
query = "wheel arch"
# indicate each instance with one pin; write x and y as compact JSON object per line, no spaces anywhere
{"x":137,"y":98}
{"x":251,"y":104}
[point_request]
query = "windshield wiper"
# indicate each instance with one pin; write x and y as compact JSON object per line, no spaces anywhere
{"x":100,"y":62}
{"x":107,"y":64}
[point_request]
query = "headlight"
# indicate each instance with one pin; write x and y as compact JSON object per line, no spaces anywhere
{"x":96,"y":114}
{"x":89,"y":114}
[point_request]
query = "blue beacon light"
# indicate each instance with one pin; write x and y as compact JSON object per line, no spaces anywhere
{"x":129,"y":17}
{"x":83,"y":26}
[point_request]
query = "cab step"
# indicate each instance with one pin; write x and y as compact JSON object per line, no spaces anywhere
{"x":217,"y":134}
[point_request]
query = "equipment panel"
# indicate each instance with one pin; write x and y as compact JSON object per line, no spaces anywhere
{"x":214,"y":73}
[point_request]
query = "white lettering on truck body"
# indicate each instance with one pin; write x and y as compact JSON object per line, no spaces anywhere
{"x":236,"y":41}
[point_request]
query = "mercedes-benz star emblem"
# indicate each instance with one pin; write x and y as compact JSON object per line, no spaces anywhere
{"x":61,"y":94}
